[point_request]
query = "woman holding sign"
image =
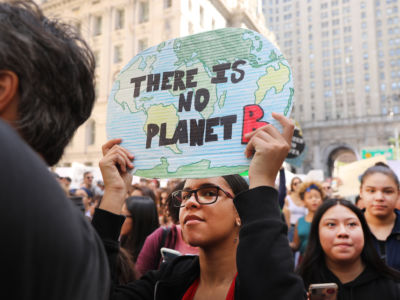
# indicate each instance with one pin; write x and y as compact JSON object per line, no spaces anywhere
{"x":241,"y":235}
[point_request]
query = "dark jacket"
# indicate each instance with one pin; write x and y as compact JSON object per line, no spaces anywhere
{"x":369,"y":285}
{"x":49,"y":249}
{"x":389,"y":250}
{"x":264,"y":259}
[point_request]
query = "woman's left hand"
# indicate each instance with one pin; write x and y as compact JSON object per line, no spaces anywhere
{"x":269,"y":148}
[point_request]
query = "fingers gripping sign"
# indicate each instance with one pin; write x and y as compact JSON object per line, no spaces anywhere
{"x":269,"y":148}
{"x":115,"y":168}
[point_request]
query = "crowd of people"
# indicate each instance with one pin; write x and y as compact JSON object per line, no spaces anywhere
{"x":229,"y":238}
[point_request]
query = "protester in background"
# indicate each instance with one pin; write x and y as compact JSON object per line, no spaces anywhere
{"x":294,"y":207}
{"x":98,"y":189}
{"x":138,"y":190}
{"x":166,"y":236}
{"x":87,"y":183}
{"x":312,"y":194}
{"x":341,"y":250}
{"x":141,"y":219}
{"x":257,"y":265}
{"x":282,"y":191}
{"x":328,"y":190}
{"x":162,"y":207}
{"x":46,"y":92}
{"x":379,"y":191}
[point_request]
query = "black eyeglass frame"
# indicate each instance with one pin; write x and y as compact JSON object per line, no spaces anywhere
{"x":178,"y":200}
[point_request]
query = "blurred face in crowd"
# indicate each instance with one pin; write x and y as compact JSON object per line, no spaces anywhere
{"x":327,"y":189}
{"x":127,"y":225}
{"x":380,"y":195}
{"x":88,"y":179}
{"x":312,"y":200}
{"x":163,"y":198}
{"x":296,"y":182}
{"x":341,"y":235}
{"x":206,"y":225}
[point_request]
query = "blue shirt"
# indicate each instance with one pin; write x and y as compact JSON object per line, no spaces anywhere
{"x":303,"y":231}
{"x":389,"y":250}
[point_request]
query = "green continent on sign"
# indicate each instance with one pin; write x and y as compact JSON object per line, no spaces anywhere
{"x":274,"y":78}
{"x":161,"y":46}
{"x":124,"y":96}
{"x":157,"y":114}
{"x":213,"y":48}
{"x":221,"y":101}
{"x":201,"y":167}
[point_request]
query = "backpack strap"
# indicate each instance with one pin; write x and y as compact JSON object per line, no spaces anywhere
{"x":165,"y":232}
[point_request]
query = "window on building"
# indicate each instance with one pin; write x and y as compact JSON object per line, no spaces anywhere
{"x":143,"y":11}
{"x":167,"y":3}
{"x":97,"y":24}
{"x":117,"y":54}
{"x":119,"y":19}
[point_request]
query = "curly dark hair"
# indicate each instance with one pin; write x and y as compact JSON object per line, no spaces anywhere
{"x":55,"y":69}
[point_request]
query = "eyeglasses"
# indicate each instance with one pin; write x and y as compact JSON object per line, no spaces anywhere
{"x":204,"y":195}
{"x":89,"y":177}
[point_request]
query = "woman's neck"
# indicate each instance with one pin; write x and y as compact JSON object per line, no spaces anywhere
{"x":346,"y":271}
{"x":380,"y":221}
{"x":309,"y":216}
{"x":218,"y":264}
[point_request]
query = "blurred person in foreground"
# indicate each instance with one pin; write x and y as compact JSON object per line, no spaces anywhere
{"x":46,"y":93}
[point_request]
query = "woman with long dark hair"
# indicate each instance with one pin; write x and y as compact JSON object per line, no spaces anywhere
{"x":243,"y":248}
{"x":341,"y":250}
{"x":141,"y":219}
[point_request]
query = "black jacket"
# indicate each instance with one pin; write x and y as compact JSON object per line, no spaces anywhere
{"x":49,"y":249}
{"x":369,"y":285}
{"x":264,"y":259}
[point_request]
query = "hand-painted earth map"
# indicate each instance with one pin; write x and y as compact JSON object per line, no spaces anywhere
{"x":180,"y":107}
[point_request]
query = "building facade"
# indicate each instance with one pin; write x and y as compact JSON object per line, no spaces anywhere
{"x":345,"y":56}
{"x":117,"y":30}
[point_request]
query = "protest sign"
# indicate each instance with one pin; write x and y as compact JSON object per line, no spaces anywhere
{"x":183,"y":107}
{"x":297,"y":151}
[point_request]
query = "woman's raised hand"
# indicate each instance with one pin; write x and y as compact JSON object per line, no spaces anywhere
{"x":269,"y":148}
{"x":115,"y":166}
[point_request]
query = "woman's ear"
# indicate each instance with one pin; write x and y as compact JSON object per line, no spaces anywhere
{"x":238,"y":222}
{"x":8,"y":95}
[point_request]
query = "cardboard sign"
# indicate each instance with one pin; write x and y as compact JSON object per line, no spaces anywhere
{"x":183,"y":107}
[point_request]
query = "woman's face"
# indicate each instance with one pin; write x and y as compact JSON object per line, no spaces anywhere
{"x":296,"y":184}
{"x":380,"y":195}
{"x":312,"y":200}
{"x":341,"y":235}
{"x":163,"y":198}
{"x":204,"y":225}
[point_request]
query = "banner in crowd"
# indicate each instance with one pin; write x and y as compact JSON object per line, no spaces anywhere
{"x":298,"y":149}
{"x":183,"y":107}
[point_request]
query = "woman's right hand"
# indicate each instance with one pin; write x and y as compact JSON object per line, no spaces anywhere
{"x":115,"y":166}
